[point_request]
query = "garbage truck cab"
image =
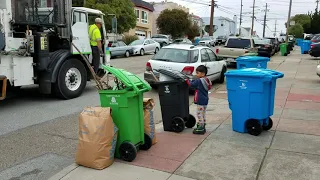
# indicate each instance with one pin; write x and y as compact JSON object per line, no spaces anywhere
{"x":37,"y":46}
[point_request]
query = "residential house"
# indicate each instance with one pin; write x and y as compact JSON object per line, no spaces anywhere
{"x":144,"y":13}
{"x":199,"y":21}
{"x":159,"y":7}
{"x":245,"y":31}
{"x":223,"y":26}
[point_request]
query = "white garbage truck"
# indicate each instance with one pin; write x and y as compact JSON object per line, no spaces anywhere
{"x":36,"y":46}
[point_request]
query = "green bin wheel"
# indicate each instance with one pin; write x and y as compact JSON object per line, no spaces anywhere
{"x":178,"y":124}
{"x":128,"y":151}
{"x":147,"y":142}
{"x":253,"y":127}
{"x":191,"y":121}
{"x":269,"y":126}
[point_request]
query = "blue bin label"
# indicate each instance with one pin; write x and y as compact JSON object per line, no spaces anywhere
{"x":243,"y":84}
{"x":258,"y":65}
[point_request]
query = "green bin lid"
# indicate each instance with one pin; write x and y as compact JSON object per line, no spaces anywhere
{"x":128,"y":79}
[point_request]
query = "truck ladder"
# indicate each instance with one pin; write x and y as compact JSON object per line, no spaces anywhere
{"x":4,"y":87}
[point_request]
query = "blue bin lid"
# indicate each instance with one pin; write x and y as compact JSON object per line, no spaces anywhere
{"x":267,"y":74}
{"x":252,"y":58}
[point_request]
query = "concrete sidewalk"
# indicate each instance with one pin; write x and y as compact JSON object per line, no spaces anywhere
{"x":291,"y":150}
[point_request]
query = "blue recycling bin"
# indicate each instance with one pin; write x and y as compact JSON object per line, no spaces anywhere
{"x":251,"y":95}
{"x":252,"y":62}
{"x":299,"y":41}
{"x":305,"y":46}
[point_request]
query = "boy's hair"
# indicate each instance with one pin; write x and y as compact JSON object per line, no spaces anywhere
{"x":202,"y":69}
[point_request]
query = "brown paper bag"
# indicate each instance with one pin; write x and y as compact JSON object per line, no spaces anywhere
{"x":97,"y":138}
{"x":149,"y":124}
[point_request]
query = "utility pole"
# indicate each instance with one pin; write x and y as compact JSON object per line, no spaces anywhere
{"x":264,"y":20}
{"x":317,"y":1}
{"x":252,"y":23}
{"x":211,"y":18}
{"x":275,"y":29}
{"x":288,"y":21}
{"x":240,"y":19}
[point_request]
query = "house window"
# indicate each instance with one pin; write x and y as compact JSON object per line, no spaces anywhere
{"x":144,"y":18}
{"x":137,"y":14}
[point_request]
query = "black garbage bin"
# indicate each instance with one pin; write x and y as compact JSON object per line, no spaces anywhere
{"x":174,"y":102}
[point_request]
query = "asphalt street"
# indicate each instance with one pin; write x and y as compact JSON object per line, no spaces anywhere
{"x":38,"y":134}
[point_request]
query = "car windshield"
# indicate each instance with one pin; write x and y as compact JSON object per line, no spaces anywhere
{"x":178,"y":40}
{"x":262,"y":41}
{"x":316,"y":37}
{"x":239,"y":43}
{"x":137,"y":42}
{"x":172,"y":55}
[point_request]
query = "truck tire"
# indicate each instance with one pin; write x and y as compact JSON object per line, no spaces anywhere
{"x":71,"y":80}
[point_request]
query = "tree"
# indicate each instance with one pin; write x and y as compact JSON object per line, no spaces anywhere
{"x":296,"y":30}
{"x":303,"y":19}
{"x":123,"y":9}
{"x":315,"y":25}
{"x":193,"y":31}
{"x":174,"y":22}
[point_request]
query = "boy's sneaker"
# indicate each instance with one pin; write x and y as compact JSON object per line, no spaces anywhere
{"x":200,"y":129}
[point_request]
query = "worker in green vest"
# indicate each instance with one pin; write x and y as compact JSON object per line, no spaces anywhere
{"x":96,"y":43}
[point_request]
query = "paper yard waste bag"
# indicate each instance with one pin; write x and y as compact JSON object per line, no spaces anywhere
{"x":97,"y":138}
{"x":149,"y":124}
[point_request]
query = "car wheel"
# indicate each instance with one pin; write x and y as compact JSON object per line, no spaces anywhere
{"x":127,"y":54}
{"x":221,"y":78}
{"x":141,"y":52}
{"x":156,"y":50}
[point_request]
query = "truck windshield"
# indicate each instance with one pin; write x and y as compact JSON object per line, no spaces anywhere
{"x":239,"y":43}
{"x":172,"y":55}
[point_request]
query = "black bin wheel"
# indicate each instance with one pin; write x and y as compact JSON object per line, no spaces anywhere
{"x":191,"y":121}
{"x":269,"y":126}
{"x":178,"y":124}
{"x":128,"y":151}
{"x":254,"y":127}
{"x":147,"y":142}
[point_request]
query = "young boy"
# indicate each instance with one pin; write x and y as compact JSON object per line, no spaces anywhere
{"x":201,"y":98}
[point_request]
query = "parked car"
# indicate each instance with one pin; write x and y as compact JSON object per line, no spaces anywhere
{"x":162,"y":39}
{"x":318,"y":70}
{"x":276,"y":43}
{"x":182,"y":41}
{"x":120,"y":48}
{"x":265,"y":47}
{"x":206,"y":41}
{"x":315,"y":38}
{"x":221,"y":40}
{"x":235,"y":47}
{"x":315,"y":50}
{"x":143,"y":46}
{"x":185,"y":58}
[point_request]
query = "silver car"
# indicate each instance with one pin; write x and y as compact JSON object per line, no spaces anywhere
{"x":120,"y":48}
{"x":143,"y":46}
{"x":206,"y":41}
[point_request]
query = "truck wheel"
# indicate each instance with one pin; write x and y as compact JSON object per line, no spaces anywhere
{"x":71,"y":80}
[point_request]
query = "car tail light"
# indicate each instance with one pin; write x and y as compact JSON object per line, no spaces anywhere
{"x":217,"y":51}
{"x":188,"y":70}
{"x":266,"y":46}
{"x":313,"y":40}
{"x":246,"y":52}
{"x":148,"y":66}
{"x":312,"y":46}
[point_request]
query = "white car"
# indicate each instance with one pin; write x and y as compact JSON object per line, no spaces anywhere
{"x":207,"y":41}
{"x":143,"y":46}
{"x":318,"y":70}
{"x":185,"y":58}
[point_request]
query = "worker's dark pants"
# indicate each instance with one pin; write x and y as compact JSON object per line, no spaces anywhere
{"x":95,"y":58}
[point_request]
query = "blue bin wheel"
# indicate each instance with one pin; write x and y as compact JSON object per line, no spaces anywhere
{"x":128,"y":151}
{"x":178,"y":124}
{"x":269,"y":126}
{"x":147,"y":142}
{"x":253,"y":127}
{"x":191,"y":121}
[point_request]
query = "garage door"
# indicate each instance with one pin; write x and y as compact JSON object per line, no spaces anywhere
{"x":141,"y":34}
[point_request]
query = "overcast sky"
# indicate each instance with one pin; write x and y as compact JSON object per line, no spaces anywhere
{"x":278,"y":10}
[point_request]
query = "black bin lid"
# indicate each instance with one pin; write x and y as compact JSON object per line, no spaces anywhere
{"x":175,"y":75}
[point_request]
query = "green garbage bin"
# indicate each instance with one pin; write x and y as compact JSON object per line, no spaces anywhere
{"x":127,"y":113}
{"x":283,"y":49}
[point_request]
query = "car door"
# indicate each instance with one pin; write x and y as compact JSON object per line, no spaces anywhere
{"x":153,"y":45}
{"x":205,"y":60}
{"x":147,"y":46}
{"x":115,"y":49}
{"x":122,"y":47}
{"x":214,"y":63}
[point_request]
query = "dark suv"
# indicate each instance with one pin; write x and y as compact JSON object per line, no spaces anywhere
{"x":275,"y":42}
